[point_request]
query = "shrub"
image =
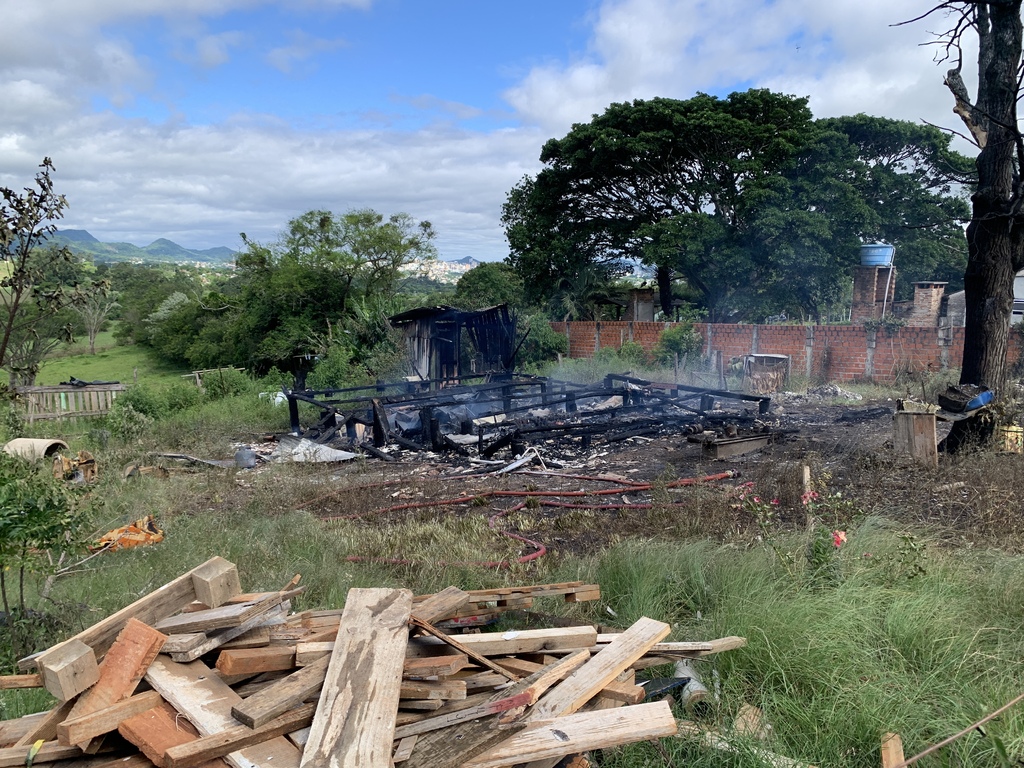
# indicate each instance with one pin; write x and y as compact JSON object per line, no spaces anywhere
{"x":181,"y":396}
{"x":142,"y":400}
{"x":126,"y":422}
{"x":226,"y":382}
{"x":542,"y":343}
{"x":679,"y":339}
{"x":633,"y":353}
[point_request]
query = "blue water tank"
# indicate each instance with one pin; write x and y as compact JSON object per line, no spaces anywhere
{"x":877,"y":254}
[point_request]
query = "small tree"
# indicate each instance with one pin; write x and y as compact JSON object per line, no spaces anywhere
{"x":26,"y":222}
{"x":94,"y":311}
{"x":36,"y":522}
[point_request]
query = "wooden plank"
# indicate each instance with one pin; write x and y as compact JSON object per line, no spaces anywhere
{"x":580,"y":733}
{"x":257,"y":637}
{"x":355,"y":720}
{"x":451,"y":746}
{"x":458,"y":646}
{"x":404,"y":749}
{"x":749,"y":722}
{"x":120,"y":672}
{"x":602,"y":669}
{"x":86,"y":727}
{"x":225,"y":617}
{"x":627,"y":693}
{"x":892,"y":750}
{"x":307,"y":653}
{"x":433,"y":689}
{"x":215,"y":640}
{"x":216,"y":583}
{"x":513,"y":642}
{"x":51,"y":751}
{"x":14,"y":729}
{"x":445,"y":603}
{"x":197,"y":693}
{"x":253,"y":661}
{"x":200,"y":751}
{"x":517,"y":701}
{"x":277,"y":698}
{"x":9,"y":682}
{"x":159,"y":729}
{"x":163,"y":602}
{"x":435,"y":665}
{"x":45,"y":729}
{"x":68,"y":669}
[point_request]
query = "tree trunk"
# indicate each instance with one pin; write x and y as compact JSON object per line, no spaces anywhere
{"x":663,"y":274}
{"x":988,"y":294}
{"x":995,"y":236}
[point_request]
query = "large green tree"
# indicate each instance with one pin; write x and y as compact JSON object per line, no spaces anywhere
{"x":749,"y":200}
{"x":324,"y":270}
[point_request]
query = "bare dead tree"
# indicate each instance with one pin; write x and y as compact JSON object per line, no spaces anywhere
{"x":995,"y":234}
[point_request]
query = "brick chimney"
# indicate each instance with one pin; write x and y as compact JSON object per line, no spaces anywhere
{"x":927,"y":304}
{"x":874,"y":289}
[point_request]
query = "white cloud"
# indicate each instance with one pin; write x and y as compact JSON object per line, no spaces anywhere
{"x":302,"y":48}
{"x":200,"y":185}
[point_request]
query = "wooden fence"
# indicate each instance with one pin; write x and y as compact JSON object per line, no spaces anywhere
{"x":67,"y":401}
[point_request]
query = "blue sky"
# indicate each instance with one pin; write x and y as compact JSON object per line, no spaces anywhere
{"x":199,"y":119}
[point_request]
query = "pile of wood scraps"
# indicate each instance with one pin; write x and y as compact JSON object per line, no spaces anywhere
{"x":198,"y":675}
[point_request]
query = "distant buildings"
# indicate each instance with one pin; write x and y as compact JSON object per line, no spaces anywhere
{"x":447,"y":272}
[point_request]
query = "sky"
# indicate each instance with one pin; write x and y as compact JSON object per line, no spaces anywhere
{"x":196,"y":120}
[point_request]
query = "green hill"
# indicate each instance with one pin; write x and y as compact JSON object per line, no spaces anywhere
{"x":162,"y":250}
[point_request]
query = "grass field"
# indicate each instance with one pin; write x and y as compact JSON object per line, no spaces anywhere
{"x":907,"y":628}
{"x":112,"y":362}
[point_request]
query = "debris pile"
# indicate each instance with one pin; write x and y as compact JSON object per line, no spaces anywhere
{"x":510,"y":412}
{"x":238,"y":679}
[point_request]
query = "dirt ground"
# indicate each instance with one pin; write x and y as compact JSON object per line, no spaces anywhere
{"x":577,"y":499}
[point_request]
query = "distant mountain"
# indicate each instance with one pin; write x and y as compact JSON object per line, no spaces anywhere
{"x":467,"y":260}
{"x":162,"y":250}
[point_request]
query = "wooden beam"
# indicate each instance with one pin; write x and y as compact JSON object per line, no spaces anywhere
{"x":216,"y":582}
{"x":45,"y":729}
{"x":68,"y":669}
{"x":120,"y":672}
{"x":157,"y":730}
{"x":9,"y":682}
{"x":451,"y":746}
{"x":277,"y":698}
{"x":513,"y":642}
{"x":892,"y":750}
{"x":196,"y":753}
{"x":445,"y":603}
{"x":473,"y":713}
{"x":224,"y":617}
{"x":86,"y":727}
{"x":602,"y":669}
{"x":214,"y":640}
{"x":581,"y":732}
{"x":253,"y":661}
{"x":355,"y":720}
{"x":51,"y":751}
{"x":168,"y":599}
{"x":197,"y":693}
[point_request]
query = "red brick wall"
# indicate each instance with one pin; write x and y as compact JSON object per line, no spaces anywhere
{"x":829,"y":352}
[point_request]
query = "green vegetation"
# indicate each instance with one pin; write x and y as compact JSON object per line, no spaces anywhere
{"x":767,"y":216}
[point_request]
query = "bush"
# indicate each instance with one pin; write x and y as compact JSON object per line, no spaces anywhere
{"x":181,"y":396}
{"x":226,"y":382}
{"x":679,"y":339}
{"x":542,"y":343}
{"x":142,"y":400}
{"x":126,"y":422}
{"x":633,"y":353}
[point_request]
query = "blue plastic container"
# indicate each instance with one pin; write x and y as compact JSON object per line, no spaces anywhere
{"x":982,"y":399}
{"x":877,"y":254}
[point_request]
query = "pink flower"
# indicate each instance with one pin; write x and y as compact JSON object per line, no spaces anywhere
{"x":838,"y":538}
{"x":776,"y":502}
{"x":757,"y":499}
{"x":808,"y":496}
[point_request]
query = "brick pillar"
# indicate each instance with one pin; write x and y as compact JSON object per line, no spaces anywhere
{"x":870,"y":286}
